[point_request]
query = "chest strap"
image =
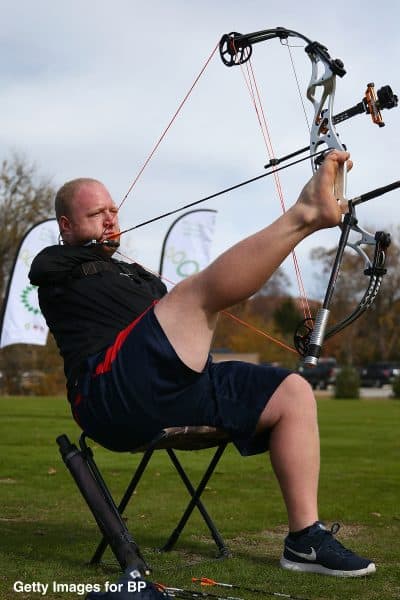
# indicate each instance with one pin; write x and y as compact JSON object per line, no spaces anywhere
{"x":92,"y":267}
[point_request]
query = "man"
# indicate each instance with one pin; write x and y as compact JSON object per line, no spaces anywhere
{"x":137,"y":359}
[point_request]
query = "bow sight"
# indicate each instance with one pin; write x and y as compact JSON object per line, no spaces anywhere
{"x":372,"y":104}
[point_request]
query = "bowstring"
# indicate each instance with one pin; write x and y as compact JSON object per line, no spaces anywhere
{"x":251,"y":84}
{"x":288,"y":46}
{"x":147,"y":161}
{"x":171,"y":121}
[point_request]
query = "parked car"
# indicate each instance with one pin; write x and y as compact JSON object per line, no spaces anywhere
{"x":379,"y":373}
{"x":322,"y":375}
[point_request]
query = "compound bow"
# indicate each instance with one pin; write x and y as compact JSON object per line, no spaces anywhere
{"x":236,"y":49}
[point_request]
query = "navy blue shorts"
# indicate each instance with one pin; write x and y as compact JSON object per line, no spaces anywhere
{"x":139,"y":386}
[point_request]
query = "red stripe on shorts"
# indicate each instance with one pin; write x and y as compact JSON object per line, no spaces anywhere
{"x":112,"y":351}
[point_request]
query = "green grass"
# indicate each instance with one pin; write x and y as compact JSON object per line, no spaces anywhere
{"x":48,"y":534}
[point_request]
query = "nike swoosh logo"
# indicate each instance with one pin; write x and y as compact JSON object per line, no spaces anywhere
{"x":309,"y":556}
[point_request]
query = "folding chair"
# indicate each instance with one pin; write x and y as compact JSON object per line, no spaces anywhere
{"x":115,"y":533}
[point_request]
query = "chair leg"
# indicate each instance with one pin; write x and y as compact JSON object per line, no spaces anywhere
{"x":81,"y":465}
{"x":101,"y":548}
{"x":195,"y":501}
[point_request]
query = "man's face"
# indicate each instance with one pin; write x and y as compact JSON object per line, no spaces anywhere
{"x":94,"y":216}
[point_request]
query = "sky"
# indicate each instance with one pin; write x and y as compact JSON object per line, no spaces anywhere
{"x":88,"y":86}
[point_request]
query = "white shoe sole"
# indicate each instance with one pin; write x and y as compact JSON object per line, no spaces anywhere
{"x":315,"y":568}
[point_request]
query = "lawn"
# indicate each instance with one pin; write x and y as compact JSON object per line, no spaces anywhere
{"x":48,"y":534}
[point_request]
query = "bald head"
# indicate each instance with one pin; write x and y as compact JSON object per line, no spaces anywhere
{"x":66,"y":193}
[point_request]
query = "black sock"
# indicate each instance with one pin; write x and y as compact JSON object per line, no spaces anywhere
{"x":297,"y":534}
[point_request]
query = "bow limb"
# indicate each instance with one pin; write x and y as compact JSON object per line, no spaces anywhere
{"x":375,"y":269}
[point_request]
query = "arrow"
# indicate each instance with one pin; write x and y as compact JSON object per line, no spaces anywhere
{"x":207,"y":581}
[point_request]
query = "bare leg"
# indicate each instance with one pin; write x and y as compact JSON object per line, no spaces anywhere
{"x":294,"y":448}
{"x":189,"y":313}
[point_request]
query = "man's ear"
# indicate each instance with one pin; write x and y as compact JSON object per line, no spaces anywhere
{"x":64,"y":226}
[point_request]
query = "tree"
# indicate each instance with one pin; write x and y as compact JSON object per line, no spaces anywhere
{"x":25,"y":199}
{"x":287,"y":316}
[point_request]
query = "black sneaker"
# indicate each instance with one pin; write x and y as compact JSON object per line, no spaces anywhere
{"x":317,"y":551}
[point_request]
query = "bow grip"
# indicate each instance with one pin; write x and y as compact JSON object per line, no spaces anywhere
{"x":317,"y":338}
{"x":340,"y":183}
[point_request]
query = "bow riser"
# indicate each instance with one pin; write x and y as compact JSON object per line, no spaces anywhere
{"x":323,"y":126}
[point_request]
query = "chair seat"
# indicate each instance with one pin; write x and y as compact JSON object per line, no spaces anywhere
{"x":186,"y":438}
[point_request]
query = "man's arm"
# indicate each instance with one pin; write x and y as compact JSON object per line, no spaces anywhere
{"x":55,"y":263}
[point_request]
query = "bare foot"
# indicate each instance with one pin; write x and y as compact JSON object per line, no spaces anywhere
{"x":317,"y":204}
